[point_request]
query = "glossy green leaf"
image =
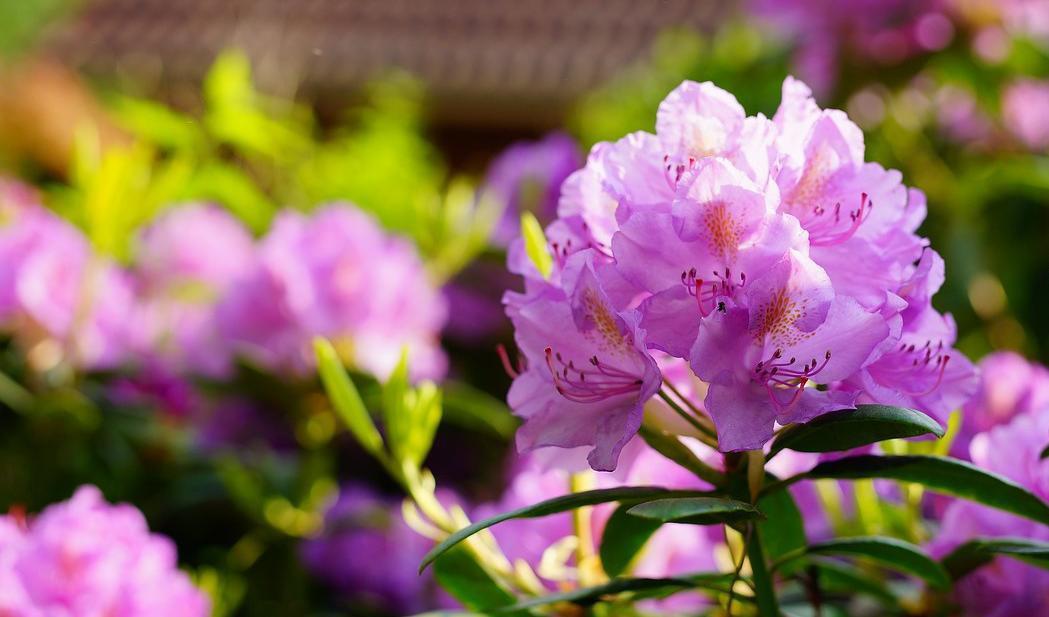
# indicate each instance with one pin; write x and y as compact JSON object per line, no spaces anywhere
{"x":782,"y":528}
{"x":467,"y":582}
{"x":851,"y":428}
{"x":563,"y":503}
{"x":941,"y":474}
{"x":888,"y":552}
{"x":344,"y":396}
{"x":695,"y":510}
{"x":637,"y":587}
{"x":624,"y":537}
{"x":979,"y":552}
{"x":836,"y":576}
{"x":535,"y":244}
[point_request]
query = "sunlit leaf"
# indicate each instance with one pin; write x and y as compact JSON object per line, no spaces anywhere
{"x":344,"y":396}
{"x":535,"y":244}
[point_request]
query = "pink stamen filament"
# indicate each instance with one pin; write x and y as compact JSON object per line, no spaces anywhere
{"x":589,"y":385}
{"x":778,"y":376}
{"x":825,"y":231}
{"x":708,"y":292}
{"x":929,"y":358}
{"x":674,"y":172}
{"x":508,"y":366}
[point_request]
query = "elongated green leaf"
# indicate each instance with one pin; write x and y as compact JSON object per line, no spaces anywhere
{"x":941,"y":474}
{"x":783,"y":528}
{"x":563,"y":503}
{"x":624,"y":537}
{"x":638,"y":587}
{"x":695,"y":510}
{"x":981,"y":551}
{"x":835,"y":576}
{"x":850,"y":428}
{"x":535,"y":244}
{"x":344,"y":396}
{"x":467,"y":582}
{"x":411,"y":415}
{"x":888,"y":552}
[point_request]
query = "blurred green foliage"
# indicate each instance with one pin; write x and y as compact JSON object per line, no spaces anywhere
{"x":21,"y":22}
{"x":738,"y":58}
{"x":255,"y":154}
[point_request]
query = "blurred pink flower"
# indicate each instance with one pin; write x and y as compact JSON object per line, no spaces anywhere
{"x":185,"y":263}
{"x":370,"y":556}
{"x":1023,"y":110}
{"x":86,"y":557}
{"x":1007,"y":587}
{"x":336,"y":274}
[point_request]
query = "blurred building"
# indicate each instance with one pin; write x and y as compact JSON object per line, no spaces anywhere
{"x":488,"y":64}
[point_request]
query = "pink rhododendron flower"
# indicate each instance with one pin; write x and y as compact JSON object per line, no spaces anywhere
{"x":370,"y":555}
{"x":768,"y":254}
{"x":185,"y":263}
{"x":1010,"y":385}
{"x":86,"y":557}
{"x":830,"y":33}
{"x":1007,"y":588}
{"x":1023,"y":111}
{"x":336,"y":274}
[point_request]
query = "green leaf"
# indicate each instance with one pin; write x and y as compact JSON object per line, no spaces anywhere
{"x":1045,"y":453}
{"x":411,"y":415}
{"x":695,"y":510}
{"x":639,"y":587}
{"x":941,"y":474}
{"x":888,"y":552}
{"x":535,"y":244}
{"x":851,"y":428}
{"x":783,"y":528}
{"x":344,"y":396}
{"x":563,"y":503}
{"x":477,"y":410}
{"x":835,"y":576}
{"x":624,"y":537}
{"x":467,"y":582}
{"x":979,"y":552}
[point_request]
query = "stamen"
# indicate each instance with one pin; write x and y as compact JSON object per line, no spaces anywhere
{"x":589,"y":385}
{"x":826,"y":230}
{"x":782,"y":375}
{"x":508,"y":366}
{"x":925,"y":363}
{"x":707,"y":293}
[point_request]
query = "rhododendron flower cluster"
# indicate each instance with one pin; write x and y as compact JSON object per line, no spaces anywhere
{"x":767,"y":253}
{"x":199,"y":292}
{"x":368,"y":554}
{"x":63,"y":302}
{"x":86,"y":557}
{"x":1008,"y":588}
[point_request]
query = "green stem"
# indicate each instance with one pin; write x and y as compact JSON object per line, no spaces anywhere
{"x":704,"y":433}
{"x":764,"y":591}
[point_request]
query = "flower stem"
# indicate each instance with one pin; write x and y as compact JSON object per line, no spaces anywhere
{"x":764,"y":591}
{"x":705,"y":435}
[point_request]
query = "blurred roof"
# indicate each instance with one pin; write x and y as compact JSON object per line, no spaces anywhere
{"x":485,"y":62}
